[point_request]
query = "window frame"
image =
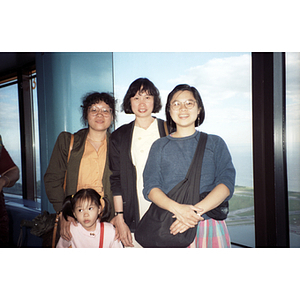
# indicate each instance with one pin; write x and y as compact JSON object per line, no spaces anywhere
{"x":269,"y":150}
{"x":22,"y":78}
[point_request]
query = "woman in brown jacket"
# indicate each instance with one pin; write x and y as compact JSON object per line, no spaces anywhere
{"x":88,"y":165}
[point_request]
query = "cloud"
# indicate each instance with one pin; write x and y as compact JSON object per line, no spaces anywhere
{"x":225,"y":87}
{"x":292,"y":77}
{"x":220,"y":79}
{"x":292,"y":98}
{"x":9,"y":114}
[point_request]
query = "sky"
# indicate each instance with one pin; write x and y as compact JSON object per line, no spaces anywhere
{"x":223,"y":80}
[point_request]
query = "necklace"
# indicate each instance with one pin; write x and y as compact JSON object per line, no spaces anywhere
{"x":96,"y":140}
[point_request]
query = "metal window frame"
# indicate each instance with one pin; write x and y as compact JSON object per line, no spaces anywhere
{"x":269,"y":150}
{"x":28,"y":155}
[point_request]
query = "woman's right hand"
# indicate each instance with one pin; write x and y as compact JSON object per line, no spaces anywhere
{"x":186,"y":214}
{"x":123,"y":231}
{"x":65,"y":232}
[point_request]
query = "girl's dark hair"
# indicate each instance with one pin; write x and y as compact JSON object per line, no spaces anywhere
{"x":141,"y":85}
{"x":184,"y":87}
{"x":86,"y":194}
{"x":93,"y":98}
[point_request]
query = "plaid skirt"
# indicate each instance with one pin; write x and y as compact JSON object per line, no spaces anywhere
{"x":211,"y":234}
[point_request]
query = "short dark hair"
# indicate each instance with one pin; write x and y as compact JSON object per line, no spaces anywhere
{"x":196,"y":94}
{"x":142,"y":85}
{"x":86,"y":194}
{"x":93,"y":98}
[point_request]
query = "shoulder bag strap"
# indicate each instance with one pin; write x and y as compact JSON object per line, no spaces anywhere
{"x":194,"y":173}
{"x":55,"y":229}
{"x":101,"y":234}
{"x":64,"y":186}
{"x":196,"y":165}
{"x":70,"y":149}
{"x":192,"y":178}
{"x":166,"y":128}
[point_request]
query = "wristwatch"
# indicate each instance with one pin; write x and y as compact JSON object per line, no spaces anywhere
{"x":118,"y":213}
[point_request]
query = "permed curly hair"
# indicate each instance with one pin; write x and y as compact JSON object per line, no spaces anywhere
{"x":93,"y":98}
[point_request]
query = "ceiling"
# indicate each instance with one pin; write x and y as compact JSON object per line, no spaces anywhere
{"x":11,"y":61}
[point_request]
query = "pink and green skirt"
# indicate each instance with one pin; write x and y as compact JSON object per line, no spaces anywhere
{"x":211,"y":234}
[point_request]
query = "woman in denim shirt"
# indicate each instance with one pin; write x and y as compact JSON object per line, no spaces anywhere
{"x":168,"y":163}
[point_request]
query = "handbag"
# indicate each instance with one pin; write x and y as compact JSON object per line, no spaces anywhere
{"x":41,"y":226}
{"x":218,"y":213}
{"x":153,"y":230}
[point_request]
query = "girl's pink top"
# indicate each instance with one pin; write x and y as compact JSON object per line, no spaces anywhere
{"x":81,"y":238}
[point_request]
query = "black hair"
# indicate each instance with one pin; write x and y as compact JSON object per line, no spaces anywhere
{"x":93,"y":98}
{"x":141,"y":85}
{"x":196,"y":94}
{"x":86,"y":194}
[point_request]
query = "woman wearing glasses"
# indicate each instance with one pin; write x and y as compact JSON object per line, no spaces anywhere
{"x":128,"y":151}
{"x":88,"y":165}
{"x":169,"y":160}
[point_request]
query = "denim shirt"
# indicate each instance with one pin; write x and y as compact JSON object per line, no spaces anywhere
{"x":169,"y":160}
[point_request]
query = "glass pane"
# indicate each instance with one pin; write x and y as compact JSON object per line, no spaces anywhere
{"x":293,"y":143}
{"x":224,"y":82}
{"x":36,"y":139}
{"x":10,"y":130}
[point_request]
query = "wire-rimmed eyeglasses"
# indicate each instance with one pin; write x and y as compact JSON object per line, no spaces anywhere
{"x":189,"y":104}
{"x":94,"y":111}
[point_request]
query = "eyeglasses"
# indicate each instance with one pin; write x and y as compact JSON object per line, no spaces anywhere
{"x":189,"y":104}
{"x":94,"y":111}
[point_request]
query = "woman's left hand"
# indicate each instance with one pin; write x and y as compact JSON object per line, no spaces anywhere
{"x":178,"y":227}
{"x":117,"y":234}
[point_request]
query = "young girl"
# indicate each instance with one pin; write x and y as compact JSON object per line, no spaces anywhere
{"x":91,"y":211}
{"x":168,"y":163}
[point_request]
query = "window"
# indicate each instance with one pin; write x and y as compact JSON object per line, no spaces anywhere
{"x":36,"y":139}
{"x":19,"y":130}
{"x":293,"y":144}
{"x":224,"y":82}
{"x":10,"y":128}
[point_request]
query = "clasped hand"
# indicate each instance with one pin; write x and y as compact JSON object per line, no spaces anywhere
{"x":186,"y":217}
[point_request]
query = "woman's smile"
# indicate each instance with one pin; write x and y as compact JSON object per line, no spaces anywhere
{"x":183,"y":116}
{"x":142,"y":110}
